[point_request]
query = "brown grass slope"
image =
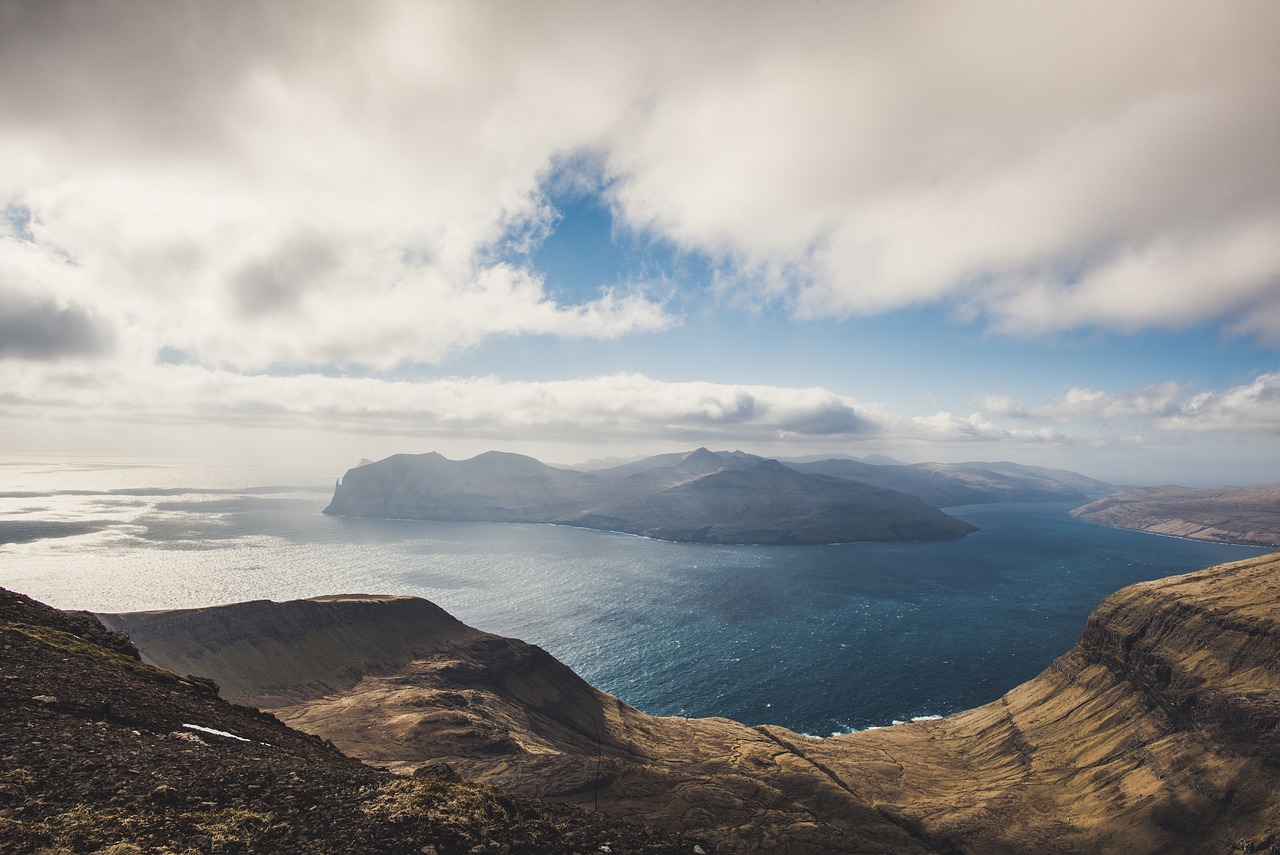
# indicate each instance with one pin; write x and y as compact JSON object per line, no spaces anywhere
{"x":507,"y":713}
{"x":1157,"y":732}
{"x":1249,"y":515}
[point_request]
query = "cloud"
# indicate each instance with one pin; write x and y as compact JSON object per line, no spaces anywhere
{"x":1045,"y":166}
{"x":623,"y":409}
{"x":1251,"y":408}
{"x":592,"y":409}
{"x":945,"y":427}
{"x":305,"y":184}
{"x":46,"y":329}
{"x":316,"y":182}
{"x":1108,"y":408}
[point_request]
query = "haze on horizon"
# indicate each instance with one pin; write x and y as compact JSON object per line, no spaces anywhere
{"x":1047,"y":233}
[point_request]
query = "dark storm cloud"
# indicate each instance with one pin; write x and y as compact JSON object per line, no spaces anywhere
{"x":831,"y":420}
{"x":44,"y":330}
{"x":167,"y":69}
{"x":278,"y":281}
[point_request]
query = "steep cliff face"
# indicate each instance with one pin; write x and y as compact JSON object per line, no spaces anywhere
{"x":1218,"y":514}
{"x":270,"y":654}
{"x":1156,"y":733}
{"x":491,"y":487}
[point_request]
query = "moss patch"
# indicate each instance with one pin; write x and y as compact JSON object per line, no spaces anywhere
{"x":73,"y":644}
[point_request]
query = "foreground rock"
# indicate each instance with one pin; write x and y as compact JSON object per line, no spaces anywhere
{"x":102,"y":753}
{"x":702,"y":496}
{"x":1246,"y":515}
{"x":1158,"y":732}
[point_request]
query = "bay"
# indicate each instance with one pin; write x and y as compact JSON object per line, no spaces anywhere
{"x":822,"y":640}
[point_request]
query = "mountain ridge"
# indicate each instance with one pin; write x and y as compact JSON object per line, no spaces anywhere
{"x":661,"y":497}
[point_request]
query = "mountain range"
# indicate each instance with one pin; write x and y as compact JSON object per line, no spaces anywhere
{"x":701,"y":496}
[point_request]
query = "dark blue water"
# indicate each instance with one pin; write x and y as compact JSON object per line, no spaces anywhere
{"x":828,"y":639}
{"x":818,"y":639}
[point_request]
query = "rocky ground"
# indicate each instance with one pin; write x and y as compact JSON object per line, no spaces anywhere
{"x":101,"y":753}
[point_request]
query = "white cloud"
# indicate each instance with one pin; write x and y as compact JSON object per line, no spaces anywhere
{"x":1250,"y":408}
{"x":304,"y":184}
{"x":1049,"y":166}
{"x":592,"y":409}
{"x":619,"y":408}
{"x":1091,"y":405}
{"x":627,"y":413}
{"x":320,"y":185}
{"x":312,"y":182}
{"x":945,"y":427}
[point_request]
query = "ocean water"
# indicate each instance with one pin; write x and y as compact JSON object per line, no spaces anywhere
{"x":822,"y":639}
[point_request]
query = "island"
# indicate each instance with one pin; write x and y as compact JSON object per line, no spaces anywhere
{"x":699,"y":496}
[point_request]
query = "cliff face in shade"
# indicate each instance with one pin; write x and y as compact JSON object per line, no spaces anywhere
{"x":1248,"y":515}
{"x":1158,"y":732}
{"x":272,"y":654}
{"x":703,"y":496}
{"x":492,"y":487}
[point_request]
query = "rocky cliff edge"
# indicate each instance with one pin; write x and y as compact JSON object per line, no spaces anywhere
{"x":1157,"y":732}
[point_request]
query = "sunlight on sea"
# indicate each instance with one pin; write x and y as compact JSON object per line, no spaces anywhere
{"x":820,"y":639}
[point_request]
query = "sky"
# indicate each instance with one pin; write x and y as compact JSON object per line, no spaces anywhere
{"x":1041,"y":232}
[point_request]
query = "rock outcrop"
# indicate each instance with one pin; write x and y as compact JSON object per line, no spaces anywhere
{"x":702,"y":496}
{"x":1245,"y":515}
{"x":1158,"y":732}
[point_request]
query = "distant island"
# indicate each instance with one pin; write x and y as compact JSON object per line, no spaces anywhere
{"x":1242,"y":515}
{"x":701,"y":496}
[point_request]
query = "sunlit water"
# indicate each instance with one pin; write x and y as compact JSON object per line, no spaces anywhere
{"x":819,"y":639}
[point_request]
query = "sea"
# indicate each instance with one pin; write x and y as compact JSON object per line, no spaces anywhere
{"x":819,"y":639}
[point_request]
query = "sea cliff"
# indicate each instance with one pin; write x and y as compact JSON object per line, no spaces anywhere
{"x":1157,"y":732}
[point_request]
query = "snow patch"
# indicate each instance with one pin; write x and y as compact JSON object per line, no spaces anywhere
{"x":215,"y":732}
